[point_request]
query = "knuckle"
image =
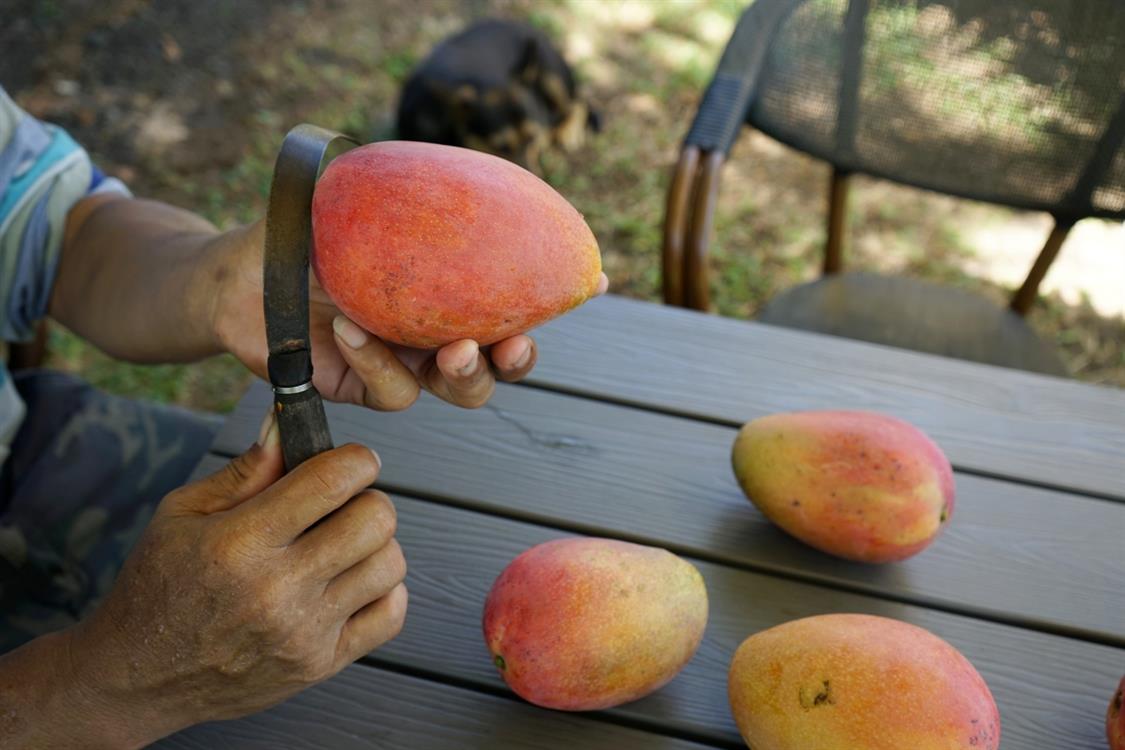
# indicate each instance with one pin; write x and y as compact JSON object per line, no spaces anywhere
{"x":315,"y":661}
{"x":177,"y":497}
{"x":380,"y":516}
{"x":397,"y":610}
{"x":402,"y":396}
{"x":236,"y":472}
{"x":357,"y":462}
{"x":395,"y":562}
{"x":388,"y":385}
{"x":330,"y":476}
{"x":383,"y":571}
{"x":267,"y":601}
{"x":478,"y":396}
{"x":314,"y":671}
{"x":226,"y":552}
{"x":323,"y":479}
{"x":302,"y":651}
{"x":380,"y":365}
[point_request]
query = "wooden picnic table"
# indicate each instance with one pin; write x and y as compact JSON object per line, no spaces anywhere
{"x":624,"y":430}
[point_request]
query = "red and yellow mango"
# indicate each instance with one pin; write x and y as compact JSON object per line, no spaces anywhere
{"x":583,"y":624}
{"x":859,"y":485}
{"x":424,"y":244}
{"x":842,"y":682}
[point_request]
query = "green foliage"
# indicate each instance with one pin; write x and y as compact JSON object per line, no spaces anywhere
{"x":213,"y":385}
{"x":398,"y":65}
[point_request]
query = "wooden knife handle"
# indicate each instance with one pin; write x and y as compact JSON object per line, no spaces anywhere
{"x":303,"y":425}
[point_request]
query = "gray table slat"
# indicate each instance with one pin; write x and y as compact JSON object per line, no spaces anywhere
{"x":1052,"y":691}
{"x":364,"y":707}
{"x":993,"y":420}
{"x":1015,"y":553}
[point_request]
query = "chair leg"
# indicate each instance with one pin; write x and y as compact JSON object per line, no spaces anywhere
{"x":676,"y":220}
{"x":697,"y":288}
{"x":837,"y":224}
{"x":1025,"y":297}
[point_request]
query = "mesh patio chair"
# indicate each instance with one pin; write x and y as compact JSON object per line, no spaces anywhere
{"x":1019,"y":103}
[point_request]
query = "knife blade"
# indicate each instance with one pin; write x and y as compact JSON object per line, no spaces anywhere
{"x":304,"y":153}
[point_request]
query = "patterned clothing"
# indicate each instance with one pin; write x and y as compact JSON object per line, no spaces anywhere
{"x":86,"y":471}
{"x":43,"y":173}
{"x":80,"y":471}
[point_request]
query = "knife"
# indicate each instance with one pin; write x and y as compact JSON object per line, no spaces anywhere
{"x":305,"y":152}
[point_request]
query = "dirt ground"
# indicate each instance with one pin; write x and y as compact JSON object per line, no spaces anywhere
{"x":187,"y":101}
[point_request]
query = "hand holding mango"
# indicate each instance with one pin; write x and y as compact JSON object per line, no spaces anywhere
{"x":446,"y":255}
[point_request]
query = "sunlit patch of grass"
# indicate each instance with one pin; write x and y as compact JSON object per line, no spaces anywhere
{"x":213,"y":385}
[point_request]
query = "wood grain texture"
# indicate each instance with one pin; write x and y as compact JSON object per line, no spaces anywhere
{"x":364,"y":707}
{"x":1019,"y":554}
{"x":991,"y":420}
{"x":1052,"y":691}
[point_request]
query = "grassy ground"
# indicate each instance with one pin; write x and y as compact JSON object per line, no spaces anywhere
{"x":188,"y":100}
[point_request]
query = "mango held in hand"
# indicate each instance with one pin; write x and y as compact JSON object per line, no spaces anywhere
{"x":841,"y":682}
{"x":584,"y":624}
{"x":424,"y":245}
{"x":855,"y":484}
{"x":1115,"y":719}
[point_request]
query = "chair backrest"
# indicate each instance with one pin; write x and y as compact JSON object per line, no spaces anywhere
{"x":1017,"y":102}
{"x":1014,"y":102}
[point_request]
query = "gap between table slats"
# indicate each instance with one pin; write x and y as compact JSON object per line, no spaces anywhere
{"x":1024,"y":556}
{"x":1052,"y":691}
{"x":993,"y":421}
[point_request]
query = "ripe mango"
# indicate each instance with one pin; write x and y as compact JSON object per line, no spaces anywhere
{"x":1115,"y":719}
{"x":424,"y":244}
{"x":855,"y":484}
{"x":842,"y":682}
{"x":582,"y":624}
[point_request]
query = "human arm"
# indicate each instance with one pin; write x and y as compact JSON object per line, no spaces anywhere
{"x":148,"y":282}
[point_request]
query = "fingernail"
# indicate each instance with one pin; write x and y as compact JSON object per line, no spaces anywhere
{"x":349,"y":332}
{"x":471,"y":368}
{"x":378,"y":461}
{"x":273,"y":437}
{"x":471,"y":363}
{"x":523,"y":359}
{"x":270,"y":433}
{"x":267,"y":425}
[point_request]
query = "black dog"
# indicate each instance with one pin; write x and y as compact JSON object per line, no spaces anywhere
{"x":498,"y":87}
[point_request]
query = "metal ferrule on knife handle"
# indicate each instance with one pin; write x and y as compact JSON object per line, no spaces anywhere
{"x":301,"y":420}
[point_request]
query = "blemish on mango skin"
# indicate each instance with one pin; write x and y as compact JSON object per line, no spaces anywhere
{"x":819,"y":695}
